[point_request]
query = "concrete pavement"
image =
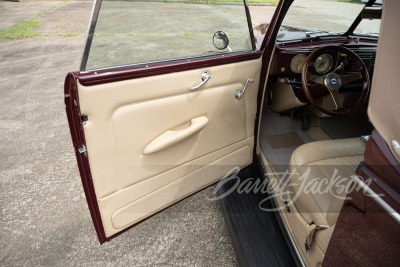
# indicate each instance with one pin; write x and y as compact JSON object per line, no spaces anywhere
{"x":12,"y":12}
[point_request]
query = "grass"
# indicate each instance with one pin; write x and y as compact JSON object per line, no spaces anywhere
{"x":22,"y":29}
{"x":27,"y":27}
{"x":250,"y":1}
{"x":232,"y":1}
{"x":104,"y":34}
{"x":63,"y":34}
{"x":67,"y":34}
{"x":141,"y":34}
{"x":303,"y":7}
{"x":136,"y":34}
{"x":351,"y":1}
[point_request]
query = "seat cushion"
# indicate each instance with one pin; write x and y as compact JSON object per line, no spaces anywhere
{"x":321,"y":173}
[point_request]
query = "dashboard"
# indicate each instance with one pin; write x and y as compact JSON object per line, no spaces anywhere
{"x":289,"y":58}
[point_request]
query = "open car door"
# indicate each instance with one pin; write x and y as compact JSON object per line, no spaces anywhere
{"x":157,"y":112}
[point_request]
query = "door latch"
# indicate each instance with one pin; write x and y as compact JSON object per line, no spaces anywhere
{"x":82,"y":149}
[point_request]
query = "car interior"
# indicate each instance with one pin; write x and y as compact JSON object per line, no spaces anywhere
{"x":295,"y":139}
{"x":312,"y":128}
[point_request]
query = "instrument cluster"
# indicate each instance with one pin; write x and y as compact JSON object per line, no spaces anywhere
{"x":321,"y":65}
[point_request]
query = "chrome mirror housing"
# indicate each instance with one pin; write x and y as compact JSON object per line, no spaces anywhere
{"x":221,"y":40}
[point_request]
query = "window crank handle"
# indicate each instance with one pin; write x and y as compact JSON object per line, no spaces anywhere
{"x":239,"y":94}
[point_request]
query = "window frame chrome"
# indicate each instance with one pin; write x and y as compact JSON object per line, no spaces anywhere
{"x":249,"y":24}
{"x":89,"y":36}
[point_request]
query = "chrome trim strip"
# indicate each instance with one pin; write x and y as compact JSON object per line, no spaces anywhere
{"x":290,"y":235}
{"x":164,"y":61}
{"x":89,"y":36}
{"x":383,"y":204}
{"x":249,"y":23}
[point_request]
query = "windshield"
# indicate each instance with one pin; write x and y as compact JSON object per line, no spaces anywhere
{"x":324,"y":17}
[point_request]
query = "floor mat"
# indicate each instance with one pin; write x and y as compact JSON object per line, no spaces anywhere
{"x":255,"y":233}
{"x":348,"y":126}
{"x":284,"y":140}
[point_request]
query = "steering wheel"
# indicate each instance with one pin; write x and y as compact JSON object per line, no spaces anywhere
{"x":335,"y":79}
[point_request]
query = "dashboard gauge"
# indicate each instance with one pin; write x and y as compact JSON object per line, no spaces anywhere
{"x":323,"y":63}
{"x":297,"y":63}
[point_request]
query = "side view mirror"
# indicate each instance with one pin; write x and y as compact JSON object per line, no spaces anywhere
{"x":221,"y":40}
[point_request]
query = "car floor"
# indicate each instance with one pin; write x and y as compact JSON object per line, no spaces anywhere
{"x":356,"y":125}
{"x":280,"y":134}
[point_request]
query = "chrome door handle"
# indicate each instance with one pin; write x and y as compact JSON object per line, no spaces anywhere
{"x":239,"y":94}
{"x":205,"y":76}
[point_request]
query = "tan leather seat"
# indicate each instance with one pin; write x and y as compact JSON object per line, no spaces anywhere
{"x":323,"y":170}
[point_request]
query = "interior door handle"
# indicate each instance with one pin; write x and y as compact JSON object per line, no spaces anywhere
{"x":205,"y":76}
{"x":171,"y":137}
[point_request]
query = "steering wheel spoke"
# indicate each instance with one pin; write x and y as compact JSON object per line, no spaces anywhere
{"x":350,"y":77}
{"x":315,"y":78}
{"x":336,"y":99}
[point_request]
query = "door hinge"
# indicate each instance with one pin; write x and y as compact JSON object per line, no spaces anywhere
{"x":82,"y":149}
{"x":287,"y":206}
{"x":84,"y":118}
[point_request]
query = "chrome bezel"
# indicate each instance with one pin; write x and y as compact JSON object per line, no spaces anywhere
{"x":291,"y":62}
{"x":330,"y":65}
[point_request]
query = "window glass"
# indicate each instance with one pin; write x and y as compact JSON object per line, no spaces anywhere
{"x":141,"y":32}
{"x":323,"y":17}
{"x":368,"y":27}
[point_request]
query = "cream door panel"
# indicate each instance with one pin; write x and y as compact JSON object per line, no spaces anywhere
{"x":152,"y":140}
{"x":166,"y":189}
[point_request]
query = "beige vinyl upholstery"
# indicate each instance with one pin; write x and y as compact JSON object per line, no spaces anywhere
{"x":320,"y":173}
{"x":384,"y":106}
{"x":318,"y":160}
{"x":151,"y":141}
